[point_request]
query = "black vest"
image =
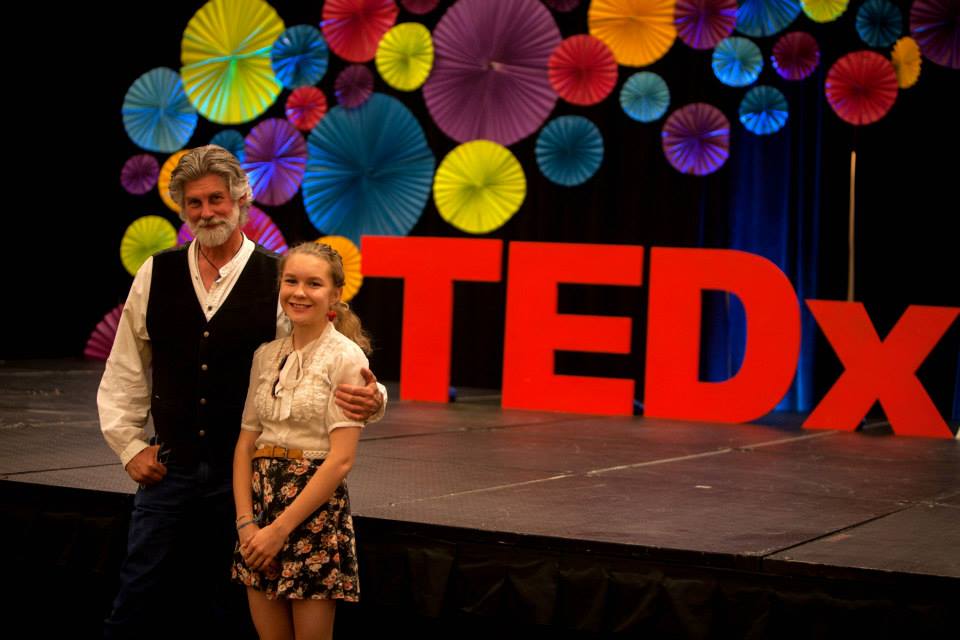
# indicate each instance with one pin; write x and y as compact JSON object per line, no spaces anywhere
{"x":201,"y":369}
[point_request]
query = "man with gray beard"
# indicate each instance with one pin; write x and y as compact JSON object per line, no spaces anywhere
{"x":182,"y":354}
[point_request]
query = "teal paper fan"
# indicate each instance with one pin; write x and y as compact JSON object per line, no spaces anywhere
{"x":569,"y":150}
{"x":763,"y":110}
{"x":156,"y":112}
{"x":645,"y":96}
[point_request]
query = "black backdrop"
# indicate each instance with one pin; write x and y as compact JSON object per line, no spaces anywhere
{"x":67,"y":211}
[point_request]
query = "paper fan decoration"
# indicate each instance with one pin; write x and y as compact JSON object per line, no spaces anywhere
{"x":879,"y":23}
{"x":353,"y":86}
{"x":143,"y":238}
{"x":795,"y":55}
{"x":419,"y":7}
{"x":824,"y":10}
{"x":701,"y":24}
{"x":368,"y":171}
{"x":101,"y":338}
{"x":489,"y":76}
{"x":350,"y":255}
{"x":562,"y":5}
{"x":639,"y":32}
{"x":569,"y":150}
{"x":935,"y":25}
{"x":259,"y":227}
{"x":766,"y":17}
{"x":861,"y":87}
{"x":906,"y":62}
{"x":645,"y":96}
{"x":696,"y":139}
{"x":232,"y":141}
{"x":276,"y":156}
{"x":156,"y":113}
{"x":737,"y":61}
{"x":405,"y":56}
{"x":299,"y":56}
{"x":354,"y":27}
{"x":225,"y":53}
{"x":163,"y":182}
{"x":763,"y":110}
{"x":139,"y":174}
{"x":582,"y":70}
{"x":305,"y":107}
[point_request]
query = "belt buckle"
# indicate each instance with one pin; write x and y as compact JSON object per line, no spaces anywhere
{"x":277,"y":454}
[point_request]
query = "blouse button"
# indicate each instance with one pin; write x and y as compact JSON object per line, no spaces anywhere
{"x":204,"y":367}
{"x":203,"y":401}
{"x":201,"y":433}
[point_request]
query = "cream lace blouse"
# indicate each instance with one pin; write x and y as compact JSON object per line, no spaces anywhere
{"x":290,"y":398}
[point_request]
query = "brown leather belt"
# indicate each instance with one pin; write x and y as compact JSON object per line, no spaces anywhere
{"x":278,"y":452}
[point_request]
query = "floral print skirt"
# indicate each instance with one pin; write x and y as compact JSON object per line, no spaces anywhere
{"x":319,"y":559}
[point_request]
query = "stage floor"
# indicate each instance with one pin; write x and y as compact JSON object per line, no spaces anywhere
{"x":767,"y":498}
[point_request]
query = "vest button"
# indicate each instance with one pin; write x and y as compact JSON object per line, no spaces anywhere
{"x":203,"y":401}
{"x":201,"y":433}
{"x":206,"y":334}
{"x":203,"y":367}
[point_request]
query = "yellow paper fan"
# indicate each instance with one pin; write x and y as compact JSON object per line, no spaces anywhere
{"x":479,"y":186}
{"x":144,"y":237}
{"x":163,"y":181}
{"x":350,"y":254}
{"x":906,"y":61}
{"x":225,"y":53}
{"x":405,"y":56}
{"x":824,"y":10}
{"x":639,"y":32}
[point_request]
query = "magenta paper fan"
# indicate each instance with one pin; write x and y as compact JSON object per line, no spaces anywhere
{"x":353,"y":28}
{"x":353,"y":86}
{"x":489,"y":78}
{"x":419,"y":7}
{"x":259,"y":227}
{"x":140,"y":173}
{"x":101,"y":338}
{"x":701,"y":24}
{"x":696,"y":139}
{"x":935,"y":25}
{"x":305,"y":107}
{"x":275,"y":156}
{"x":562,"y":5}
{"x":795,"y":55}
{"x":861,"y":87}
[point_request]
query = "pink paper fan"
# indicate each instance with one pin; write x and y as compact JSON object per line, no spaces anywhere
{"x":353,"y":86}
{"x":935,"y":25}
{"x":101,"y":338}
{"x":582,"y":70}
{"x":275,"y":157}
{"x":696,"y":139}
{"x":259,"y":227}
{"x":353,"y":28}
{"x":702,"y":24}
{"x":305,"y":107}
{"x":139,"y":174}
{"x":795,"y":55}
{"x":861,"y":87}
{"x":489,"y":77}
{"x":419,"y":7}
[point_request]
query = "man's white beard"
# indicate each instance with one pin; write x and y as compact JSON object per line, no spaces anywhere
{"x":216,"y":233}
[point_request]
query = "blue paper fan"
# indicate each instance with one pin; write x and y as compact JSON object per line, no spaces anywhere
{"x":763,"y":110}
{"x":879,"y":23}
{"x":737,"y":61}
{"x":645,"y":96}
{"x":765,"y":17}
{"x":569,"y":150}
{"x":156,"y":112}
{"x":300,"y":56}
{"x":231,"y":140}
{"x":369,"y":170}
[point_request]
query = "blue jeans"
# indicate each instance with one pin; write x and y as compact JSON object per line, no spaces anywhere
{"x":175,"y":579}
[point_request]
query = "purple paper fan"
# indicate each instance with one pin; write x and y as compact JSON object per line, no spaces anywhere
{"x":696,"y":139}
{"x":701,"y":24}
{"x":935,"y":25}
{"x":419,"y":7}
{"x":353,"y":86}
{"x":489,"y":77}
{"x":275,"y":156}
{"x":795,"y":55}
{"x":259,"y":227}
{"x":139,"y":174}
{"x":101,"y":338}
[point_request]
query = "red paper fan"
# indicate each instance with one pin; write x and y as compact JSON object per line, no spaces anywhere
{"x":582,"y":70}
{"x":796,"y":55}
{"x":353,"y":28}
{"x":861,"y":87}
{"x":306,"y":107}
{"x":101,"y":338}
